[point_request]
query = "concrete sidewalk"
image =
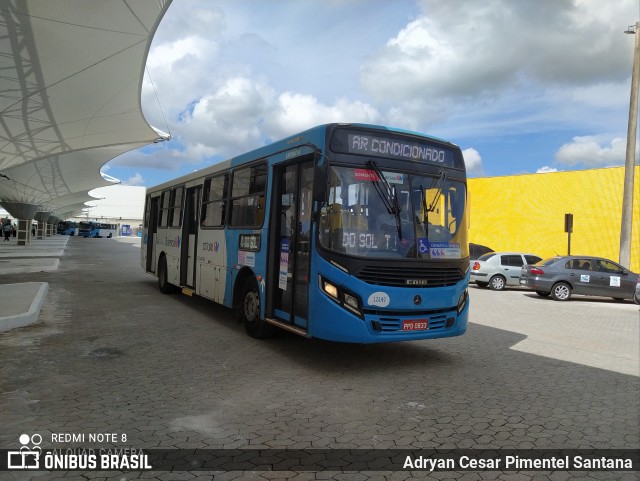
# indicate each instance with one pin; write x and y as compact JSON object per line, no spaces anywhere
{"x":22,"y":301}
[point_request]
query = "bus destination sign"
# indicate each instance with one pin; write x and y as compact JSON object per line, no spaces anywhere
{"x":399,"y":148}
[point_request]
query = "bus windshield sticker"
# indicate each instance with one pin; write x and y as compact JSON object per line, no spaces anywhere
{"x":444,"y":250}
{"x":247,"y":258}
{"x":365,"y":174}
{"x":284,"y":264}
{"x":380,"y":299}
{"x":423,"y":245}
{"x":393,"y":178}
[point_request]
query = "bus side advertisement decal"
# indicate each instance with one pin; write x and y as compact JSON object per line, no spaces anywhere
{"x":284,"y":264}
{"x":247,"y":258}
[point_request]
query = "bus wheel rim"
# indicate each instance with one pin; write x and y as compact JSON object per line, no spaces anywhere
{"x":251,"y":306}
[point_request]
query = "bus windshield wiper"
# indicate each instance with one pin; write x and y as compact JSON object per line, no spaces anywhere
{"x":439,"y":183}
{"x":388,"y":195}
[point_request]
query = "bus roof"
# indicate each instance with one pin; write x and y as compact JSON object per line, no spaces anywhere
{"x":309,"y":136}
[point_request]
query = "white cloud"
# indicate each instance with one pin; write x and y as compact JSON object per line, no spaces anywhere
{"x":466,"y":48}
{"x":546,"y":169}
{"x":473,"y":161}
{"x":296,"y":112}
{"x":588,"y":152}
{"x":136,"y":179}
{"x":245,"y":112}
{"x":228,"y":119}
{"x":558,"y":64}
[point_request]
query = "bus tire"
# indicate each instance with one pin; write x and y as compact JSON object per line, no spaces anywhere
{"x":248,"y":311}
{"x":163,"y":283}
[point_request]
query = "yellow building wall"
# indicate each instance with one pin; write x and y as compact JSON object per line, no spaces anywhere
{"x":525,"y":213}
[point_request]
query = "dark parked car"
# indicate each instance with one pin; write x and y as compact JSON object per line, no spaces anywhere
{"x":561,"y":277}
{"x":476,"y":250}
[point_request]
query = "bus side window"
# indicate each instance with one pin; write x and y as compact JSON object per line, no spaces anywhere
{"x":214,"y":201}
{"x":163,"y":218}
{"x":248,"y":196}
{"x":177,"y":197}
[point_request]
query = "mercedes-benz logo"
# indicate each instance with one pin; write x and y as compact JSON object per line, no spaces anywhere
{"x":417,"y":300}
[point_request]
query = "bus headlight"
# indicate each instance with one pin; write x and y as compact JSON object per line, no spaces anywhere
{"x":351,"y":303}
{"x":330,"y":289}
{"x":346,"y":299}
{"x":462,"y":301}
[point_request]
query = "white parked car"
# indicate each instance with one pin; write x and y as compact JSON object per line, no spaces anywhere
{"x":500,"y":269}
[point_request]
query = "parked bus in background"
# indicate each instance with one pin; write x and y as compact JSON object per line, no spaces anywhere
{"x":97,"y":229}
{"x":345,"y":232}
{"x":66,"y":227}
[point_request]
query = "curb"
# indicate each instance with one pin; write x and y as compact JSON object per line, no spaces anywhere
{"x":29,"y":317}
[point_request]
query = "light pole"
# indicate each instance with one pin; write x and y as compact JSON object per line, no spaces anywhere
{"x":630,"y":160}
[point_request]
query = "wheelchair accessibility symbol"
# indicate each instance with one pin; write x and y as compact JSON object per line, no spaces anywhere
{"x":423,"y":245}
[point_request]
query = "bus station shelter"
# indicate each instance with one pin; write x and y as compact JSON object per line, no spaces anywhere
{"x":69,"y":100}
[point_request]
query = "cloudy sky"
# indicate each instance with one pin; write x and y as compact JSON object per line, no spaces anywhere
{"x":522,"y":86}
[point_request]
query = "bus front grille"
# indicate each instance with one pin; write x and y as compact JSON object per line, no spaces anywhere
{"x":410,"y":276}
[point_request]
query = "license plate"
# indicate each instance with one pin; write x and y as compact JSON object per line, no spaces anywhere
{"x":523,"y":281}
{"x":415,"y":325}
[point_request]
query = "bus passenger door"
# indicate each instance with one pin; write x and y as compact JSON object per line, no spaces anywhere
{"x":189,"y":238}
{"x":152,"y":230}
{"x":291,"y":241}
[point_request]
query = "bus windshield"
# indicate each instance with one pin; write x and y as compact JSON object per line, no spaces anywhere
{"x":402,"y":215}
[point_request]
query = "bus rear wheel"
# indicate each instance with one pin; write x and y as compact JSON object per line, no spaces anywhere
{"x":163,"y":282}
{"x":248,"y":311}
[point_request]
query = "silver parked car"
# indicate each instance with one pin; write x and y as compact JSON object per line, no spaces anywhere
{"x":561,"y":277}
{"x":500,"y":269}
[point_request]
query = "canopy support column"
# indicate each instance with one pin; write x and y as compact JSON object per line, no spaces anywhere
{"x":25,"y":214}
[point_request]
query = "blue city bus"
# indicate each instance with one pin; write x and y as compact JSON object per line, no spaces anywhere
{"x":345,"y":232}
{"x":96,"y":229}
{"x":66,"y":227}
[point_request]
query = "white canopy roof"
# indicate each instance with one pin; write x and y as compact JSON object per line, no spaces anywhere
{"x":70,"y":91}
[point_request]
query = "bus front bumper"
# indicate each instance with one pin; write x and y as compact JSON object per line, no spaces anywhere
{"x":331,"y":322}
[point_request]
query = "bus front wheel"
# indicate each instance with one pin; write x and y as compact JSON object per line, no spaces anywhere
{"x":163,"y":282}
{"x":249,"y":311}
